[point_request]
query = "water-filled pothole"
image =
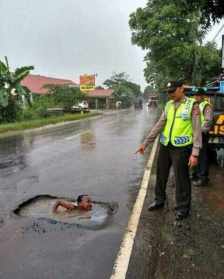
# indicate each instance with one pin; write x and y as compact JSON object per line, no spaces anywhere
{"x":41,"y":207}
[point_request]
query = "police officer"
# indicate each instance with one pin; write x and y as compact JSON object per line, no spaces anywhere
{"x":180,"y":141}
{"x":200,"y":173}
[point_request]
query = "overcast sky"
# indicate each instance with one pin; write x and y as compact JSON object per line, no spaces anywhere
{"x":66,"y":38}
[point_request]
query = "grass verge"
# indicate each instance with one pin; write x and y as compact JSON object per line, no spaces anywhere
{"x":18,"y":126}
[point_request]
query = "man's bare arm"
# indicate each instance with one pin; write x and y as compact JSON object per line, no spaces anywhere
{"x":64,"y":204}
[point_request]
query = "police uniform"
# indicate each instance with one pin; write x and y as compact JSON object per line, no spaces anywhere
{"x":180,"y":137}
{"x":200,"y":175}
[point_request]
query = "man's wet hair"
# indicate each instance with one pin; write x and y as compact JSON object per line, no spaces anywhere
{"x":80,"y":197}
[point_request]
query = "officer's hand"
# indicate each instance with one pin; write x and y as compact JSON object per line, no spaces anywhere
{"x":193,"y":161}
{"x":141,"y":149}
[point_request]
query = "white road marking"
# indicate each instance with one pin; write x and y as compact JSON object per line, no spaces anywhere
{"x":78,"y":135}
{"x":122,"y":261}
{"x":73,"y":136}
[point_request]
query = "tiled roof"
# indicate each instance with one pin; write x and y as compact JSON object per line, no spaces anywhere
{"x":100,"y":93}
{"x":36,"y":83}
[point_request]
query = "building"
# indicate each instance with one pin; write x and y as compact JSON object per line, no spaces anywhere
{"x":97,"y":99}
{"x":101,"y":99}
{"x":36,"y":83}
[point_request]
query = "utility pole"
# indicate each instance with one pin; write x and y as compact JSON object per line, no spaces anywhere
{"x":222,"y":52}
{"x":221,"y":84}
{"x":217,"y":34}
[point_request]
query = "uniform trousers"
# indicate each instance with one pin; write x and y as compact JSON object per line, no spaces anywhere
{"x":202,"y":168}
{"x":177,"y":157}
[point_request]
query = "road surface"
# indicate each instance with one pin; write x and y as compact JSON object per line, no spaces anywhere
{"x":92,"y":156}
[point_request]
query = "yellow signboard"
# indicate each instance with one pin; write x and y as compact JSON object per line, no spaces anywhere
{"x":218,"y":128}
{"x":87,"y":83}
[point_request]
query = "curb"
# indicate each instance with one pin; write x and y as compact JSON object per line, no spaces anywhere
{"x":122,"y":261}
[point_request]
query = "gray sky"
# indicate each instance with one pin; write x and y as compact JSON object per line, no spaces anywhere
{"x":215,"y":31}
{"x":66,"y":38}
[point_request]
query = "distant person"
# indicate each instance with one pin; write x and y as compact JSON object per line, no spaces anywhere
{"x":84,"y":203}
{"x":201,"y":172}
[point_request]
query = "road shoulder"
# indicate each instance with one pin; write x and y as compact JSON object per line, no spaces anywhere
{"x":193,"y":248}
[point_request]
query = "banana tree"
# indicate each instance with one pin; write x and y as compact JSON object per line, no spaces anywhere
{"x":12,"y":93}
{"x":10,"y":87}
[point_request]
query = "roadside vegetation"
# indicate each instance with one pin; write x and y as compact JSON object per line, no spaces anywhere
{"x":36,"y":123}
{"x":20,"y":109}
{"x":124,"y":90}
{"x":62,"y":96}
{"x":13,"y":95}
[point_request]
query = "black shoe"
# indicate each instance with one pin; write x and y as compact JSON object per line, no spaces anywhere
{"x":197,"y":183}
{"x":203,"y":181}
{"x":155,"y":206}
{"x":193,"y":177}
{"x":181,"y":215}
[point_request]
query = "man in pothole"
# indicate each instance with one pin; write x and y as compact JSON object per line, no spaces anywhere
{"x":180,"y":141}
{"x":84,"y":203}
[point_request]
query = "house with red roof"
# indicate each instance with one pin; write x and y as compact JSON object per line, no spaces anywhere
{"x":36,"y":83}
{"x":101,"y":98}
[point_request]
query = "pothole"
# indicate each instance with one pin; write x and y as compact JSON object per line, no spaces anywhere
{"x":41,"y":207}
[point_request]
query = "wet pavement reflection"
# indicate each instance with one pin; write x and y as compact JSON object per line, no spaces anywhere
{"x":94,"y":157}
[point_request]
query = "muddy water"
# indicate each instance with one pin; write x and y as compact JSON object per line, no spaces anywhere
{"x":41,"y":207}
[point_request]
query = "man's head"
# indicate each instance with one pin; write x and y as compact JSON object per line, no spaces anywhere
{"x":175,"y":90}
{"x":84,"y":202}
{"x":199,"y":95}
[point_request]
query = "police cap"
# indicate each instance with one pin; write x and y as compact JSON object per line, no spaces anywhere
{"x":200,"y":91}
{"x":173,"y":85}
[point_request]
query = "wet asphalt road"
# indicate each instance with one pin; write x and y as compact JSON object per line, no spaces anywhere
{"x":94,"y":157}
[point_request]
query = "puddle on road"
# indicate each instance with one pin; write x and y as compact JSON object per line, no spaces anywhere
{"x":40,"y":207}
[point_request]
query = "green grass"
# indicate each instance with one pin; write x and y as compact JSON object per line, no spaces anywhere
{"x":23,"y":125}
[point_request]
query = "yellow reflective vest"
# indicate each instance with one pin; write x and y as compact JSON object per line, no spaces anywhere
{"x":178,"y":128}
{"x":202,"y":106}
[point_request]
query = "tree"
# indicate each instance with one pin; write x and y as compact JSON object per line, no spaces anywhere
{"x":173,"y":39}
{"x":65,"y":95}
{"x":209,"y":63}
{"x":12,"y":93}
{"x":123,"y":89}
{"x":211,"y":11}
{"x":148,"y":91}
